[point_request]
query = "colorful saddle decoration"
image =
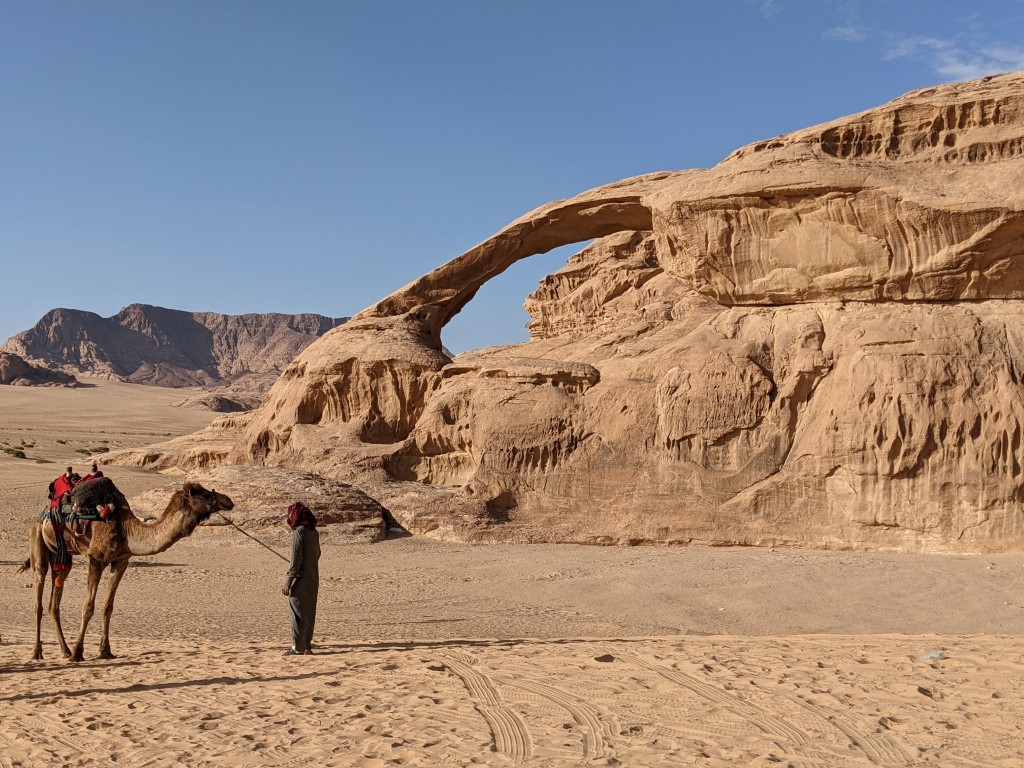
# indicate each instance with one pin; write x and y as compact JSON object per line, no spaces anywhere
{"x":89,"y":500}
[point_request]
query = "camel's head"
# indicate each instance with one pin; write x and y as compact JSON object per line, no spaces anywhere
{"x":203,"y":502}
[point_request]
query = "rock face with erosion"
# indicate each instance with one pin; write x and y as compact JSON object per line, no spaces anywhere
{"x":818,"y":342}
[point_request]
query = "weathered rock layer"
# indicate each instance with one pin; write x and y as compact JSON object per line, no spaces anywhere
{"x":817,"y":342}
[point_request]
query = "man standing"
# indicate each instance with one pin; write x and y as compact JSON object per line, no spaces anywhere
{"x":303,"y":581}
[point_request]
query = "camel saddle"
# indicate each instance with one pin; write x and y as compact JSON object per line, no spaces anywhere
{"x":87,"y":502}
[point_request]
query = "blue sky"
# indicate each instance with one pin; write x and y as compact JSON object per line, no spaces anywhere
{"x":251,"y":156}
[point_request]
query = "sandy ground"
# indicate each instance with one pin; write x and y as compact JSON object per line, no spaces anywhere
{"x":435,"y":654}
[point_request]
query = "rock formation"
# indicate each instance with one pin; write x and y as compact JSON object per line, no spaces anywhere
{"x":167,"y":347}
{"x":817,"y":342}
{"x":214,"y":402}
{"x":17,"y":371}
{"x":262,"y":498}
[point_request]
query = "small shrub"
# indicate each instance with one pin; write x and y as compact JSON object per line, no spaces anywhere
{"x":101,"y":449}
{"x":62,"y":442}
{"x":15,"y":452}
{"x":43,"y":461}
{"x":83,"y":451}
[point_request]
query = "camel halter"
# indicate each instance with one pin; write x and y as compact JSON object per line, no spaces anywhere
{"x":211,"y":504}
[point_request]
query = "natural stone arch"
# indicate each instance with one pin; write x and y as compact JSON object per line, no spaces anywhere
{"x":589,"y":216}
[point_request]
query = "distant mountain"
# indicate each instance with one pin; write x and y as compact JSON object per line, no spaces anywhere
{"x":168,"y":347}
{"x":14,"y":369}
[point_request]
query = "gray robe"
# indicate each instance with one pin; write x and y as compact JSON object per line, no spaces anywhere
{"x":304,"y":583}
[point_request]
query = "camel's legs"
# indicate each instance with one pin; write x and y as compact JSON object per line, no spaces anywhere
{"x":38,"y":564}
{"x":95,"y":571}
{"x":55,"y":596}
{"x":118,"y":569}
{"x":33,"y":564}
{"x":41,"y":563}
{"x":39,"y":575}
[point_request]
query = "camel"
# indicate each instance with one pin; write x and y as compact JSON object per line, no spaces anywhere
{"x":112,"y":543}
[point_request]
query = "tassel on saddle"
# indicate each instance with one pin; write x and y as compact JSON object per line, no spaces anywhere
{"x":61,"y":562}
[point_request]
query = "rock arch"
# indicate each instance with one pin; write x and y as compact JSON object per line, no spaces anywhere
{"x":594,"y":214}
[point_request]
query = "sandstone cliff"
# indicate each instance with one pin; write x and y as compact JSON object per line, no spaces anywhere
{"x":167,"y":347}
{"x":818,"y":342}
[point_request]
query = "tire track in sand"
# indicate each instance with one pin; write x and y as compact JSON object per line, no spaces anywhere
{"x":597,"y":731}
{"x":508,"y":730}
{"x":764,"y":721}
{"x":878,"y":748}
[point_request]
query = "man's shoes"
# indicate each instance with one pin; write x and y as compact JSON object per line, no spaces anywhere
{"x":292,"y":652}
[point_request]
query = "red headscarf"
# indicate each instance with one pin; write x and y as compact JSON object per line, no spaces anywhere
{"x":299,"y":514}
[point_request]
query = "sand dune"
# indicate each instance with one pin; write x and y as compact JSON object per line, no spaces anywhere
{"x":436,"y":654}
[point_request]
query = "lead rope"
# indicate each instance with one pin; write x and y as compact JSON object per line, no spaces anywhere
{"x":246,"y":533}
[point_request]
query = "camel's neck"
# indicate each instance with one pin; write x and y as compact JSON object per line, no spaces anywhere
{"x":152,"y":537}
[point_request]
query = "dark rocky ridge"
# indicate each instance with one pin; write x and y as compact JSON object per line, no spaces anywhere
{"x":167,"y":347}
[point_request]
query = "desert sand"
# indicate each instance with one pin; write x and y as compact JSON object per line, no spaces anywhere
{"x":431,"y":653}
